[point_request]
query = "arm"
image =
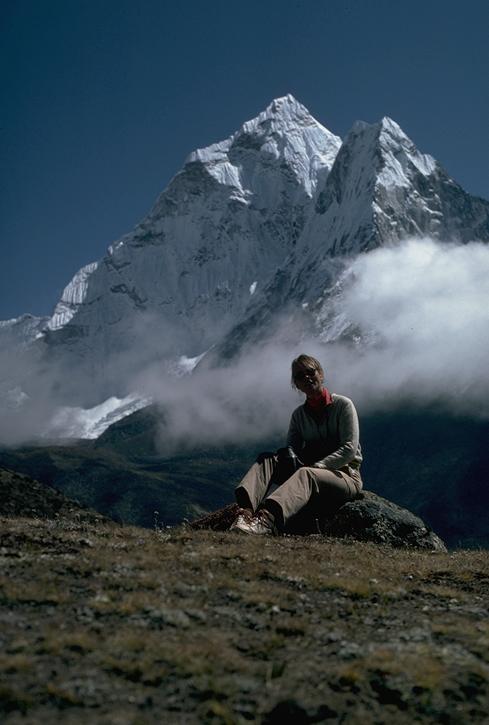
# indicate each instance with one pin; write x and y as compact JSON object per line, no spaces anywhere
{"x":294,"y":436}
{"x":349,"y":434}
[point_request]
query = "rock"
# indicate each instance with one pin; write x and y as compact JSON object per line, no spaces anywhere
{"x":373,"y":518}
{"x":294,"y":711}
{"x":170,"y":617}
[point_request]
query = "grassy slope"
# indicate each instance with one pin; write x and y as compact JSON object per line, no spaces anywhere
{"x":118,"y":624}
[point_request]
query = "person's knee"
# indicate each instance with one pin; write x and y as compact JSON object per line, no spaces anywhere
{"x":306,"y":473}
{"x":304,"y":478}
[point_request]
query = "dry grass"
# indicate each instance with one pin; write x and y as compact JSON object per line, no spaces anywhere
{"x":132,"y":625}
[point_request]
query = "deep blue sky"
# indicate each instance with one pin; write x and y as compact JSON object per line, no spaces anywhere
{"x":103,"y":100}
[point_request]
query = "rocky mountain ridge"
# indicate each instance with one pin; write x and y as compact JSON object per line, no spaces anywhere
{"x":22,"y":496}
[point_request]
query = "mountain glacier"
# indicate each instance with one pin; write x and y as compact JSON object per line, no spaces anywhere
{"x":258,"y":227}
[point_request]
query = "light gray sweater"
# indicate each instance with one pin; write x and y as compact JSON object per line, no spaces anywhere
{"x":331,"y":441}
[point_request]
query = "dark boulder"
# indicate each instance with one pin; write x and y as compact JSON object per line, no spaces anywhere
{"x":373,"y":518}
{"x":294,"y":711}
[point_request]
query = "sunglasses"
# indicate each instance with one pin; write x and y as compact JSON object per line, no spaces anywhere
{"x":307,"y":373}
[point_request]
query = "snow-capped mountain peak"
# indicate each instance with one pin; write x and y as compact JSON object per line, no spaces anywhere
{"x":285,"y":132}
{"x":261,"y":222}
{"x":400,"y":155}
{"x":383,"y":154}
{"x":380,"y":187}
{"x":225,"y":222}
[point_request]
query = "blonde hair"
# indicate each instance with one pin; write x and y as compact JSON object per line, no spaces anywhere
{"x":305,"y":361}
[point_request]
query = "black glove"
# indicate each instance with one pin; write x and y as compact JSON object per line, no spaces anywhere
{"x":288,"y":462}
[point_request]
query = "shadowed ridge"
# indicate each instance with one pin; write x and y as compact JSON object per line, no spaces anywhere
{"x":23,"y":496}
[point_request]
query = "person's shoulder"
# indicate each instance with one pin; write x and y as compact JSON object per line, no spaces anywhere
{"x":300,"y":410}
{"x":342,"y":401}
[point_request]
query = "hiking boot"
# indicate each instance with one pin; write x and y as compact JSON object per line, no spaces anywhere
{"x":261,"y":523}
{"x":220,"y":520}
{"x":243,"y":517}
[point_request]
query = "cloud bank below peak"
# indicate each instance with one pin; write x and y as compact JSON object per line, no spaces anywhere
{"x":421,"y":310}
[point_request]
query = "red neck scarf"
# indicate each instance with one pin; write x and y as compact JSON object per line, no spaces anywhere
{"x":320,"y":402}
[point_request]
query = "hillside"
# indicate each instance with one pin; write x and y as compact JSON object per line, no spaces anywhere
{"x":114,"y":624}
{"x":130,"y":490}
{"x":22,"y":496}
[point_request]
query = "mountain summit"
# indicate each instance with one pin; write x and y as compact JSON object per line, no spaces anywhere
{"x":284,"y":134}
{"x":214,"y":236}
{"x":381,"y":188}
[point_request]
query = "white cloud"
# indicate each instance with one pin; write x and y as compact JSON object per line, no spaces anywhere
{"x":423,"y":309}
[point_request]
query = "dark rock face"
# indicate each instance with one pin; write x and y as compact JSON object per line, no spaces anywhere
{"x":373,"y":518}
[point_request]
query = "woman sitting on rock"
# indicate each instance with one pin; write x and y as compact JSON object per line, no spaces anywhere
{"x":319,"y":468}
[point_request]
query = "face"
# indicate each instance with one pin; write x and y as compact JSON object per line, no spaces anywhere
{"x":308,"y":380}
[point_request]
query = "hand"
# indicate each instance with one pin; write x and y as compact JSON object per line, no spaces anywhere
{"x":293,"y":455}
{"x":289,"y":460}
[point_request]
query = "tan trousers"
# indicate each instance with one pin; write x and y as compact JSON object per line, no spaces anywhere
{"x":324,"y":490}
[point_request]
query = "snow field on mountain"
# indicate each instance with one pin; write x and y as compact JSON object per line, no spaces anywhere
{"x":68,"y":422}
